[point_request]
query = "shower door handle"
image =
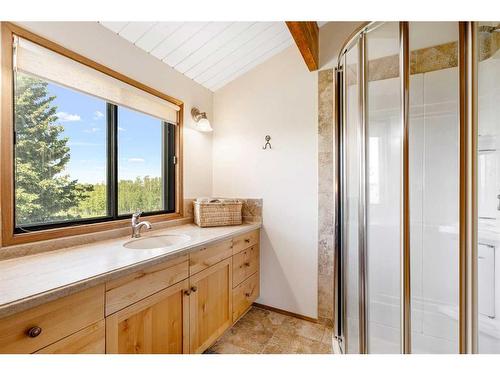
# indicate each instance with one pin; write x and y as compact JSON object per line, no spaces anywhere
{"x":498,"y":202}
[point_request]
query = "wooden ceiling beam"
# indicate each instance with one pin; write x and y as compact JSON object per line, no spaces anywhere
{"x":306,"y":36}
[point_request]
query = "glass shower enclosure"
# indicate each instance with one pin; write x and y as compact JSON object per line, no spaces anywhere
{"x":418,"y":126}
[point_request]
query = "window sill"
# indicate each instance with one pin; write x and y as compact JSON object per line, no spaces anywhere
{"x":79,"y":234}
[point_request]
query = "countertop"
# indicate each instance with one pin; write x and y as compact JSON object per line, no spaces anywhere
{"x":32,"y":280}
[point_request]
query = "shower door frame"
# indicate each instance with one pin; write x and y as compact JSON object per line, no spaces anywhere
{"x":468,"y":76}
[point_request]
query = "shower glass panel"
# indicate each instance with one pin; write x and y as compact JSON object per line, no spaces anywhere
{"x":383,"y":188}
{"x":434,"y":176}
{"x":352,"y":166}
{"x":488,"y":187}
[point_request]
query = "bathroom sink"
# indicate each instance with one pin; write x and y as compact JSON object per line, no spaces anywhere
{"x":156,"y":242}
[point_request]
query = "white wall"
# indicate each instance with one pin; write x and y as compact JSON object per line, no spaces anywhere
{"x":278,"y":98}
{"x":332,"y":37}
{"x":94,"y":41}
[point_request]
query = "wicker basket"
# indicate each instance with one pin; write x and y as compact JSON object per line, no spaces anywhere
{"x":214,"y":212}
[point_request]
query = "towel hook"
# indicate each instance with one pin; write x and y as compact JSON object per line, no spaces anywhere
{"x":268,"y":138}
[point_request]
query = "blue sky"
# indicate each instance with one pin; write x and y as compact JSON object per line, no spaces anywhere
{"x":84,"y":121}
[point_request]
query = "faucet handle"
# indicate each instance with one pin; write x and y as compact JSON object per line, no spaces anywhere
{"x":137,"y":214}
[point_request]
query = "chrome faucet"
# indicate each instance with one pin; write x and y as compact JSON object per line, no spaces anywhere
{"x":137,"y":225}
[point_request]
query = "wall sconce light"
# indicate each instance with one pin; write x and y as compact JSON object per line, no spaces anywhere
{"x":202,"y":123}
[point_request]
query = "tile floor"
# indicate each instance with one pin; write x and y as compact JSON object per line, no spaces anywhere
{"x":267,"y":332}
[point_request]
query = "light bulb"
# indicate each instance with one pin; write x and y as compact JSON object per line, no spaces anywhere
{"x":203,"y":125}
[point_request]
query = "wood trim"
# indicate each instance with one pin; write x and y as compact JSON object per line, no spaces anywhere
{"x":17,"y":30}
{"x":179,"y":170}
{"x":7,"y":236}
{"x":186,"y":307}
{"x":284,"y":312}
{"x":306,"y":36}
{"x":6,"y":138}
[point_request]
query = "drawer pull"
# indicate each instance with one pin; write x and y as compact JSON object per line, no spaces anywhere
{"x":187,"y":292}
{"x":247,"y":294}
{"x":194,"y":288}
{"x":34,"y":331}
{"x":247,"y":264}
{"x":247,"y":240}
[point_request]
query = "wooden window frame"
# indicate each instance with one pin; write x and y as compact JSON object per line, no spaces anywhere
{"x":7,"y":204}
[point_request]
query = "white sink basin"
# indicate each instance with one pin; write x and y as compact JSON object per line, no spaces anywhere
{"x":156,"y":242}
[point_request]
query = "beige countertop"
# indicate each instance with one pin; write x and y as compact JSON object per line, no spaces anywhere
{"x":31,"y":280}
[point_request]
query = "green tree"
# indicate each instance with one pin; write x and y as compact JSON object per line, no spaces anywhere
{"x":140,"y":194}
{"x":43,"y":192}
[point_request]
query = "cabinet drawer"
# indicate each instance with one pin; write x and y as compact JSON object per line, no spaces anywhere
{"x":127,"y":290}
{"x":208,"y":256}
{"x":56,"y":319}
{"x":245,"y":263}
{"x":245,"y":294}
{"x":90,"y":340}
{"x":246,"y":240}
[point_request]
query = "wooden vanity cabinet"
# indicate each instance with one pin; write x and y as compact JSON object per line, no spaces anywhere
{"x":157,"y":324}
{"x":182,"y":305}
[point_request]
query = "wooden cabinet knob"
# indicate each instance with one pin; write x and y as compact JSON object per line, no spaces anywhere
{"x":247,"y":264}
{"x":247,"y":294}
{"x":194,"y":288}
{"x":34,"y":331}
{"x":247,"y":240}
{"x":187,"y":292}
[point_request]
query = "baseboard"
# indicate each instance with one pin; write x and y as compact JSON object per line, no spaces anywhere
{"x":284,"y":312}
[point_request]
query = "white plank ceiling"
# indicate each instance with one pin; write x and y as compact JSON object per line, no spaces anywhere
{"x":210,"y":53}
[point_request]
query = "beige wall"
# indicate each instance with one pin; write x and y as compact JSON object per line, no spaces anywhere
{"x":332,"y":37}
{"x":277,"y":98}
{"x":102,"y":45}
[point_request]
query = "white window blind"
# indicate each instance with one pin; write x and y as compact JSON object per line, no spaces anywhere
{"x":36,"y":60}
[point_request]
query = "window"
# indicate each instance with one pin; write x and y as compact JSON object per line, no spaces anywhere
{"x":90,"y":146}
{"x":64,"y":158}
{"x":60,"y":153}
{"x":143,"y":173}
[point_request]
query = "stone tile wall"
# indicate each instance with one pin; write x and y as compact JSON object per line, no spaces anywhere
{"x":326,"y":194}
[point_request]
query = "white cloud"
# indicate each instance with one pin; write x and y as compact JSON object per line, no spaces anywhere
{"x":92,"y":130}
{"x":85,"y":144}
{"x":121,"y":129}
{"x":68,"y":117}
{"x":98,"y":115}
{"x":135,"y":160}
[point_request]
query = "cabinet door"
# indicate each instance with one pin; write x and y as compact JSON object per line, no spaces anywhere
{"x":156,"y":324}
{"x":210,"y":312}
